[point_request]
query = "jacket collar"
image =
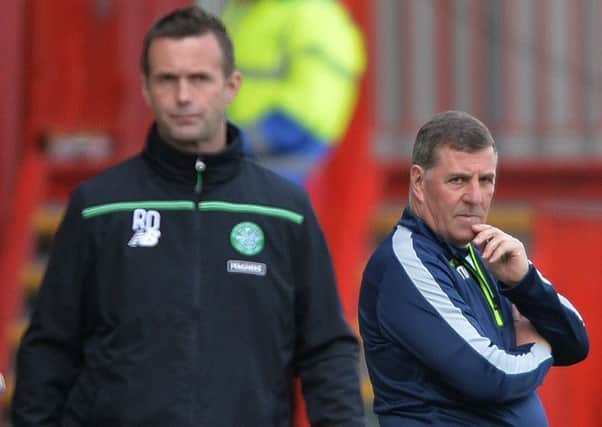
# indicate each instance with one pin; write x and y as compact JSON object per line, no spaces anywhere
{"x":412,"y":221}
{"x":178,"y":166}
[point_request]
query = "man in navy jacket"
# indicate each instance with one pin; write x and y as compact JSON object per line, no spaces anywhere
{"x":459,"y":327}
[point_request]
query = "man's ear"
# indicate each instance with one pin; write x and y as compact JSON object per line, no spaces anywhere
{"x":232,"y":86}
{"x":417,"y":176}
{"x":144,"y":88}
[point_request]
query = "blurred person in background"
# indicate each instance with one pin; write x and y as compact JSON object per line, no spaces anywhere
{"x":301,"y":62}
{"x":458,"y":326}
{"x":187,"y":286}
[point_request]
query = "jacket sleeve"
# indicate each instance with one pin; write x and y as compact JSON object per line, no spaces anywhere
{"x":326,"y":349}
{"x":49,"y":356}
{"x":553,"y":316}
{"x":419,"y":308}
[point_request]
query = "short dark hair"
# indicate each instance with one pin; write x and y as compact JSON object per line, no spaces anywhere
{"x":187,"y":22}
{"x":456,"y":129}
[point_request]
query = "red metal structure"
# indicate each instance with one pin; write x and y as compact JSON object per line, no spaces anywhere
{"x":567,"y":248}
{"x":12,"y":44}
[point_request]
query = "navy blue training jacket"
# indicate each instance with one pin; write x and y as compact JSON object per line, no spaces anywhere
{"x":434,"y":351}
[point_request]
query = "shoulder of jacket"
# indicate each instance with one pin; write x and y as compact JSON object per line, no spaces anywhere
{"x":95,"y":188}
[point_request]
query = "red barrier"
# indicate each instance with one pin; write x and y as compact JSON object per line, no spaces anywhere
{"x":90,"y":82}
{"x":134,"y":19}
{"x":72,"y":68}
{"x":12,"y":46}
{"x":16,"y":244}
{"x":346,"y":191}
{"x":567,"y":249}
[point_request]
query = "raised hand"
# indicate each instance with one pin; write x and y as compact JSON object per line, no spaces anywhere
{"x":504,"y":255}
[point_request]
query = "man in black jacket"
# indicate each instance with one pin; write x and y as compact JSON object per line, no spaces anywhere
{"x":187,"y":286}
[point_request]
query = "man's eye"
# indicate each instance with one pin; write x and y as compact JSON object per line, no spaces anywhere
{"x":198,"y":78}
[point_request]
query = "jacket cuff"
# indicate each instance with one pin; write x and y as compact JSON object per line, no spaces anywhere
{"x":522,"y":288}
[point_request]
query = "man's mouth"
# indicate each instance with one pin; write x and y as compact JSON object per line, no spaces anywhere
{"x":470,"y":217}
{"x":185,"y":118}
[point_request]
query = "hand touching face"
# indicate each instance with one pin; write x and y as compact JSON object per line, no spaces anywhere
{"x":504,"y":255}
{"x":456,"y":193}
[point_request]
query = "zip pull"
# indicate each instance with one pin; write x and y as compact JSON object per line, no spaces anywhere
{"x":199,"y":167}
{"x":484,"y":284}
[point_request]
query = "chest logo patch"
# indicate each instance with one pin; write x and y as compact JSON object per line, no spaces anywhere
{"x":247,"y":238}
{"x":463,"y":272}
{"x":146,"y":225}
{"x":246,"y":267}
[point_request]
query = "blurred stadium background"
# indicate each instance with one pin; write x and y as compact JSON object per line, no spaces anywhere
{"x":70,"y":105}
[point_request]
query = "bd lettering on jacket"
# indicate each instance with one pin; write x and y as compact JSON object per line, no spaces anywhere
{"x":146,"y":224}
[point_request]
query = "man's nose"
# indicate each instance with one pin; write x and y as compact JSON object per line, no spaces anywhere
{"x":474,"y":192}
{"x":183,"y":92}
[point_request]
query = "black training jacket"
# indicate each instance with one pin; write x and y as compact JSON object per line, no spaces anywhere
{"x":187,"y":290}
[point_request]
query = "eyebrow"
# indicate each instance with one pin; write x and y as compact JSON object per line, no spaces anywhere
{"x":468,"y":175}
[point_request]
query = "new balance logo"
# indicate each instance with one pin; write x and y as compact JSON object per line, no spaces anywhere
{"x":146,"y":228}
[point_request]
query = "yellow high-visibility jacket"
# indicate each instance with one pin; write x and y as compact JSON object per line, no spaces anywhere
{"x":300,"y":61}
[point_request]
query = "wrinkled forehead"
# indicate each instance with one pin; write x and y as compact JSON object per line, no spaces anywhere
{"x":483,"y":158}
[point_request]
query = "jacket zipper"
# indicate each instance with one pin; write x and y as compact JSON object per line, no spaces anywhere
{"x":484,"y":284}
{"x":199,"y":167}
{"x":479,"y":277}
